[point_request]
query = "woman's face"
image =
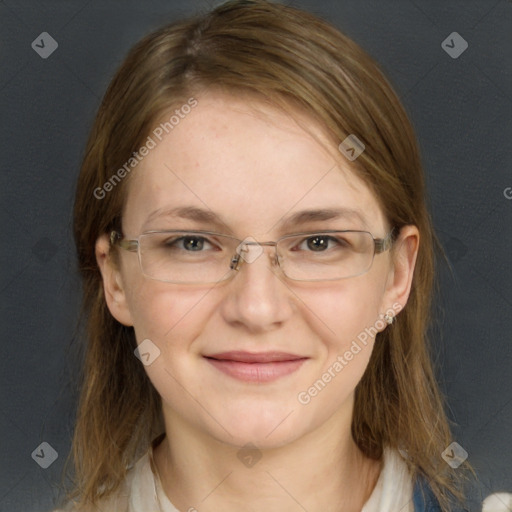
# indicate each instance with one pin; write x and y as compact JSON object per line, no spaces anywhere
{"x":254,"y":172}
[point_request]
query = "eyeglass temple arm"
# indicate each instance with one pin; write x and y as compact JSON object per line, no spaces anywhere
{"x":383,"y":244}
{"x":117,"y":239}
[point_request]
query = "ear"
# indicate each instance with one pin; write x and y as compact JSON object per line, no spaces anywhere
{"x":405,"y":252}
{"x":115,"y":295}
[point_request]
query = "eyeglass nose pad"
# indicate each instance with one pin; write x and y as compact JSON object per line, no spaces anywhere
{"x":235,"y":262}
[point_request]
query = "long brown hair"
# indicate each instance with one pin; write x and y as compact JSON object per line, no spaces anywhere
{"x":294,"y":61}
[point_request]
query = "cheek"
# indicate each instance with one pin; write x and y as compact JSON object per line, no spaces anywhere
{"x":171,"y":318}
{"x":166,"y":313}
{"x":345,"y":310}
{"x":349,"y":318}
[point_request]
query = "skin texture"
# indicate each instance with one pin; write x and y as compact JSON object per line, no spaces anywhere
{"x":254,"y":166}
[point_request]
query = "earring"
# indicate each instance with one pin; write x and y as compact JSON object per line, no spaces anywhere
{"x":389,"y":319}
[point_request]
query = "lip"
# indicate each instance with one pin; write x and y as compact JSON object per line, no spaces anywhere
{"x":256,"y":366}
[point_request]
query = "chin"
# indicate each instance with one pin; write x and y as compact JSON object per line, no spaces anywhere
{"x":266,"y":428}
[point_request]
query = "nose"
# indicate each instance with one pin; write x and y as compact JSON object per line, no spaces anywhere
{"x":257,"y":298}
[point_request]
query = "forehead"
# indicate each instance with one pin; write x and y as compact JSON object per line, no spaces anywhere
{"x":250,"y":164}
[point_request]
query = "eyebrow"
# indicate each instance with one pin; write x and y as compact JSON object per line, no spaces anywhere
{"x":203,"y":216}
{"x":193,"y":213}
{"x":317,"y":215}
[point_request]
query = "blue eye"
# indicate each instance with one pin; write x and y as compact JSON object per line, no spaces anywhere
{"x":189,"y":243}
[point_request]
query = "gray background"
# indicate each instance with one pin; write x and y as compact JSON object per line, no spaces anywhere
{"x":461,"y":109}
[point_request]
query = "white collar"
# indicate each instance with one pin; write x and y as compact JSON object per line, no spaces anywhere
{"x":392,"y":492}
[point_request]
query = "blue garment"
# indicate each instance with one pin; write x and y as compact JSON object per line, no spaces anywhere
{"x":429,"y":502}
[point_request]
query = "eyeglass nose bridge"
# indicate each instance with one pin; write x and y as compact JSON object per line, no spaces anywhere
{"x":238,"y":257}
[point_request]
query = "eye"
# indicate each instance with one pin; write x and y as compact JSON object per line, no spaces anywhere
{"x":320,"y":243}
{"x":189,"y":243}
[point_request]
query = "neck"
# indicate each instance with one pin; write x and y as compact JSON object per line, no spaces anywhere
{"x":321,"y":471}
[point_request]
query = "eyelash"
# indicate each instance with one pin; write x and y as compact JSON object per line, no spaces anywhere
{"x":173,"y":241}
